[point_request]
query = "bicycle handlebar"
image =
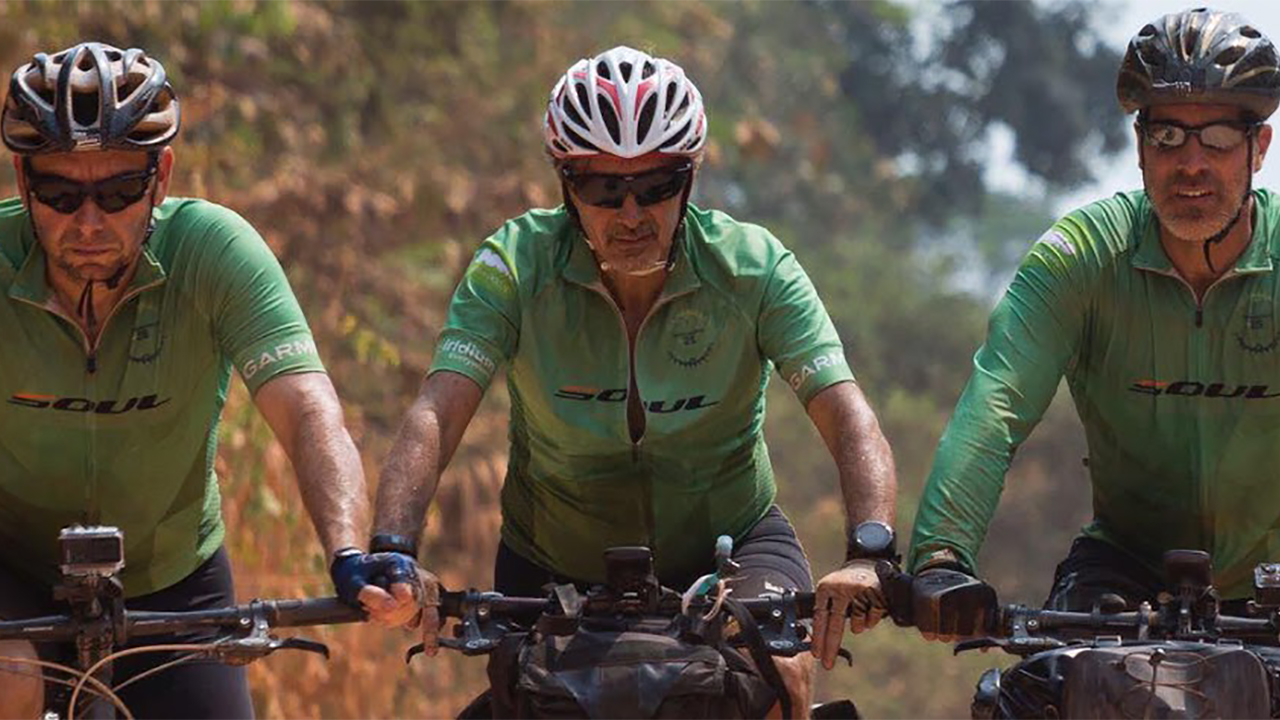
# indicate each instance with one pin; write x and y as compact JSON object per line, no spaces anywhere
{"x":277,"y":613}
{"x":453,"y":604}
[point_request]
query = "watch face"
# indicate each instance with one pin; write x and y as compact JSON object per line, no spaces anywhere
{"x":874,"y":536}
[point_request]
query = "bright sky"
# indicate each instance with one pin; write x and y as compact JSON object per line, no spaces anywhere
{"x":1122,"y":19}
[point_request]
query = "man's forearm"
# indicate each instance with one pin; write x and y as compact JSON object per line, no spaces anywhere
{"x":306,"y":417}
{"x":427,"y":440}
{"x":410,"y":475}
{"x":868,"y":480}
{"x":331,"y":481}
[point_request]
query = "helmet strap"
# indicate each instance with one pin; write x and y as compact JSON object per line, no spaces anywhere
{"x":1248,"y":191}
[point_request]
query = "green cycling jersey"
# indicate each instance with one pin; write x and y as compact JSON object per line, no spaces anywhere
{"x":1180,"y":399}
{"x":735,"y":305}
{"x":125,"y":432}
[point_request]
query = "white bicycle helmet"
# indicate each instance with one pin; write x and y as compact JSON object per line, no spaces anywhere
{"x":89,"y":97}
{"x":626,"y":103}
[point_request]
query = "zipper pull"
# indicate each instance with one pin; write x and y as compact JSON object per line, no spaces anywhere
{"x":91,"y":363}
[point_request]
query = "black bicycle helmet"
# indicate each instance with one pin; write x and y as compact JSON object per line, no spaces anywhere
{"x":1200,"y":56}
{"x":89,"y":97}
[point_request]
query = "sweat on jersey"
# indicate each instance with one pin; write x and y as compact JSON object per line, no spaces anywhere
{"x":1180,"y":401}
{"x":735,"y":305}
{"x":125,"y":433}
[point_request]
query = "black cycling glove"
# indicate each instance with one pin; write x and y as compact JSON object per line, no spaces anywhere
{"x":951,"y":602}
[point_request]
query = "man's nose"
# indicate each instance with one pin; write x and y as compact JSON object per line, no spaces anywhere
{"x":89,"y":216}
{"x":632,"y":211}
{"x":1193,"y":156}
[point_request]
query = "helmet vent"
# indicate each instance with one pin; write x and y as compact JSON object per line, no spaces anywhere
{"x":1147,"y":31}
{"x":676,"y":138}
{"x":1228,"y":57}
{"x":648,"y":70}
{"x":579,"y":140}
{"x":584,"y":100}
{"x":84,"y":108}
{"x":86,"y":61}
{"x":671,"y":96}
{"x":610,"y":119}
{"x":602,"y":69}
{"x":1250,"y":33}
{"x":625,"y":68}
{"x":646,"y":116}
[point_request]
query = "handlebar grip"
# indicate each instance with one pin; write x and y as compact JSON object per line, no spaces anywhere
{"x":321,"y":611}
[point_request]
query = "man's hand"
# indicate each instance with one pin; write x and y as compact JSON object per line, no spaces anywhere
{"x":854,"y":590}
{"x":393,"y":589}
{"x":950,"y":605}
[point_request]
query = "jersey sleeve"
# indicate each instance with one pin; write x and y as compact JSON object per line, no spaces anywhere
{"x":483,"y":327}
{"x":1032,"y":335}
{"x":256,"y":319}
{"x":796,"y":333}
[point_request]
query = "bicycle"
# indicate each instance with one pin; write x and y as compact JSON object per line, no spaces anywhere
{"x":98,"y":622}
{"x":628,"y":646}
{"x":1178,"y":657}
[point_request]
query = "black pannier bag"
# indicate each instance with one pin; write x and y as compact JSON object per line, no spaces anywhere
{"x":1158,"y":680}
{"x":640,"y":669}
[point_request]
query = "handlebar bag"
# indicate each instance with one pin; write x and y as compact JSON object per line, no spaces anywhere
{"x":636,"y":671}
{"x":1155,"y":680}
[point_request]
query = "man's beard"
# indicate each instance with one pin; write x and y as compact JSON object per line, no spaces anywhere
{"x":1198,"y":224}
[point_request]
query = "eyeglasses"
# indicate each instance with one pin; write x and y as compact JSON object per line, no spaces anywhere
{"x":610,"y":191}
{"x":112,"y":194}
{"x":1222,"y":135}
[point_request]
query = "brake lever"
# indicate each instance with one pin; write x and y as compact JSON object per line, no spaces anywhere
{"x":478,"y":634}
{"x":1020,"y":645}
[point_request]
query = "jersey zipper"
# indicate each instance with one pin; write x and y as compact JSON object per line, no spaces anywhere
{"x":1202,"y":488}
{"x":93,"y":510}
{"x":637,"y":444}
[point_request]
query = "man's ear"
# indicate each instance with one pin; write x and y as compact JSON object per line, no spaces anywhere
{"x":164,"y":173}
{"x":1264,"y":142}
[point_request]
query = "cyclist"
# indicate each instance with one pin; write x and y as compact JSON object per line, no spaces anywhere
{"x":1159,"y":306}
{"x":640,"y":332}
{"x":124,"y":312}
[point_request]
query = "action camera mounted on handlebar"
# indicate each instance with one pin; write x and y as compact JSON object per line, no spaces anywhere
{"x":96,"y":550}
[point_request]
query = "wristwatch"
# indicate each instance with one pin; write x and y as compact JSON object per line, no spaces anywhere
{"x":872,"y":540}
{"x":385,"y":542}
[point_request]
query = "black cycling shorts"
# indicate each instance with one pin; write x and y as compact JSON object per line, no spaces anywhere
{"x":770,"y":556}
{"x":1095,"y":567}
{"x":194,"y":689}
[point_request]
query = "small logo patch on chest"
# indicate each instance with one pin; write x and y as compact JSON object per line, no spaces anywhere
{"x":145,"y":344}
{"x":1258,"y":334}
{"x":690,"y":338}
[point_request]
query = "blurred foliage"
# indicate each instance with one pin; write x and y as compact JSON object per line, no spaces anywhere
{"x":375,"y":143}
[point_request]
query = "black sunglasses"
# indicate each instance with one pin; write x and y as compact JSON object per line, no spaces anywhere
{"x":1221,"y":135}
{"x":112,"y":194}
{"x":610,"y":191}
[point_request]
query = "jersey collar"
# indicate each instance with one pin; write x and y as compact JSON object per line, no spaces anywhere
{"x":1150,"y":254}
{"x":30,"y":284}
{"x":581,"y":268}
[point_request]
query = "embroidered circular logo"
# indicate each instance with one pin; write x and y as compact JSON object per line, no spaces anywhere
{"x":146,"y":342}
{"x":1259,"y":332}
{"x":690,"y":338}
